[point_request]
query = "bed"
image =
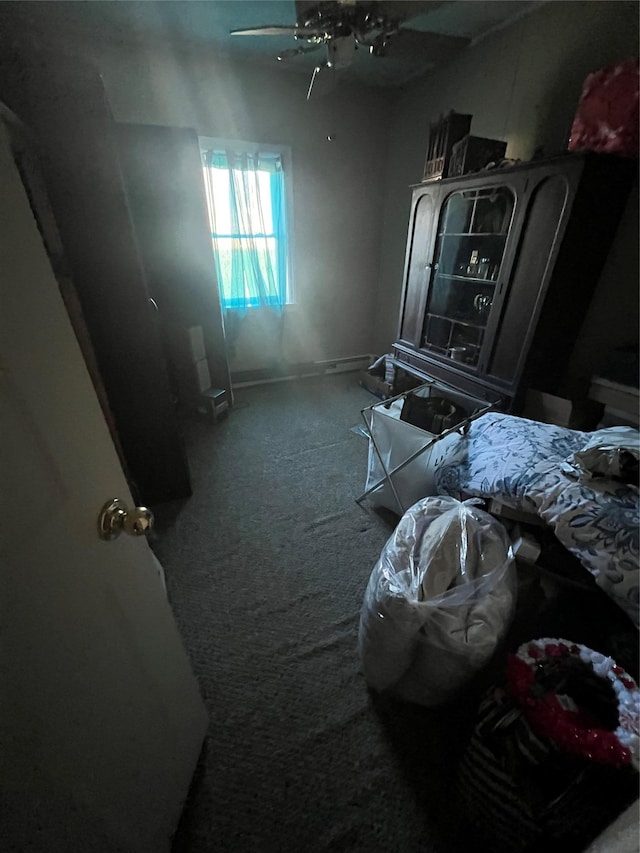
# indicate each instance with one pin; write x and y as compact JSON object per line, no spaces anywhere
{"x":570,"y":479}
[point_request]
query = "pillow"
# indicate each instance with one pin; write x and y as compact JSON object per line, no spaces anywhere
{"x":612,"y":452}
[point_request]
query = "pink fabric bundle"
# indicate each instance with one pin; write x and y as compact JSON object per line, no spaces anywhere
{"x":607,"y":115}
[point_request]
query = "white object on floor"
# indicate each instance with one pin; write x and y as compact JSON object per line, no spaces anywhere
{"x":403,"y":458}
{"x":438,"y":601}
{"x":621,"y":836}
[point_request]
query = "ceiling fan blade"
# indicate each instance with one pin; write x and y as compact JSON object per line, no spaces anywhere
{"x":267,"y":31}
{"x":322,"y":82}
{"x":418,"y":45}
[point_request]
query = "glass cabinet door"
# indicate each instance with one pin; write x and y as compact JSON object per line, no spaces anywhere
{"x":470,"y":246}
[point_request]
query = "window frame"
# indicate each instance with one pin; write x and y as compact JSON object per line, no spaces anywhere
{"x":284,"y":151}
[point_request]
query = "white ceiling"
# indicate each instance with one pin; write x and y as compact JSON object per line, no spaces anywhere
{"x":209,"y":22}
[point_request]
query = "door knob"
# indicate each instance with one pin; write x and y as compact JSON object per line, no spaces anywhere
{"x":115,"y":519}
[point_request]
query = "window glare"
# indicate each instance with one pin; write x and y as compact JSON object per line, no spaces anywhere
{"x":248,"y":215}
{"x":221,"y":203}
{"x":228,"y":246}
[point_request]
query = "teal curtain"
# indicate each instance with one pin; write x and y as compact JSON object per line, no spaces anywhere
{"x":246,"y":199}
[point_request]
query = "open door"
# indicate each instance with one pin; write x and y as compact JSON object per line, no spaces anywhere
{"x":162,"y":172}
{"x":63,"y":102}
{"x":101,"y":721}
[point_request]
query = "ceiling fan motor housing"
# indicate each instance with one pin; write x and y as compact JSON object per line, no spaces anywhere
{"x":340,"y":51}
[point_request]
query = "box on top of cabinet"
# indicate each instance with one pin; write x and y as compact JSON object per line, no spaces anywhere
{"x":473,"y":153}
{"x":443,"y":134}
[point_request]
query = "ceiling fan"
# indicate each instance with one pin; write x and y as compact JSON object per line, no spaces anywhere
{"x":344,"y":26}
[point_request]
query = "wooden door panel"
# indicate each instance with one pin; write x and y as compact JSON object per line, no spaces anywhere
{"x":162,"y":170}
{"x":542,"y":228}
{"x":417,"y":268}
{"x":101,"y":722}
{"x":64,"y":104}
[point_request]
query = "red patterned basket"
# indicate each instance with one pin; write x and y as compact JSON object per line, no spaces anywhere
{"x":554,"y":753}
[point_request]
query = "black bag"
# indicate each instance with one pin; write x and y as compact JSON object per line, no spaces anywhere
{"x":521,"y":792}
{"x":432,"y":414}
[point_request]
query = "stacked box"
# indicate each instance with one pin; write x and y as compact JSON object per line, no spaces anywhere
{"x":215,"y":403}
{"x":185,"y":344}
{"x":443,"y":134}
{"x":472,"y":153}
{"x":188,"y":363}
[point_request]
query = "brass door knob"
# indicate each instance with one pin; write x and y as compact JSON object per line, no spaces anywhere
{"x":115,"y":519}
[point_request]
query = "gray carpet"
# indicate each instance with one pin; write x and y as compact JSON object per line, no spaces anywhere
{"x":266,"y":567}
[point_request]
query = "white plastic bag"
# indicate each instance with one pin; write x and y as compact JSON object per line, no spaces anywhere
{"x":612,"y":452}
{"x":439,"y":600}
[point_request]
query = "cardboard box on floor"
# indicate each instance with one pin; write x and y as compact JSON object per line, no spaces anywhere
{"x":386,"y":379}
{"x":376,"y":385}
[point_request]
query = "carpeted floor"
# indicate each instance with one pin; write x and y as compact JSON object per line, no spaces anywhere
{"x":266,"y":567}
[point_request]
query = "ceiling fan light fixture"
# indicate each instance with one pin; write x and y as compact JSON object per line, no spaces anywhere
{"x":378,"y":46}
{"x":340,"y":51}
{"x":296,"y":51}
{"x":376,"y":25}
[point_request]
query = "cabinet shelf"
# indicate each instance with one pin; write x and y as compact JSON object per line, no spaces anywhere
{"x":468,"y":278}
{"x":472,"y":234}
{"x":456,"y":321}
{"x":444,"y":353}
{"x":444,"y":350}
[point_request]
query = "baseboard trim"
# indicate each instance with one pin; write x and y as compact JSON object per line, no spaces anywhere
{"x":302,"y":370}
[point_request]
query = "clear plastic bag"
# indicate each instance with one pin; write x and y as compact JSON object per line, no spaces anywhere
{"x":439,"y":600}
{"x":612,"y":452}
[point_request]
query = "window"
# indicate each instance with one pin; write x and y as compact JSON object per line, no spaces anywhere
{"x":247,"y":189}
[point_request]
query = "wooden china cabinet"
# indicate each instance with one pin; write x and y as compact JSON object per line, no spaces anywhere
{"x":500,"y":267}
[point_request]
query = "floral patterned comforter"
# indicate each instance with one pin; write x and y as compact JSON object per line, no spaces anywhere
{"x":519,"y":462}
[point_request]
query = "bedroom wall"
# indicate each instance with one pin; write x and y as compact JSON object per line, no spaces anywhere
{"x":337,"y":202}
{"x":522,"y":85}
